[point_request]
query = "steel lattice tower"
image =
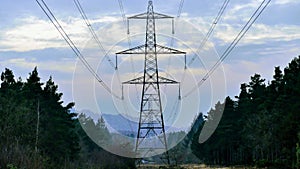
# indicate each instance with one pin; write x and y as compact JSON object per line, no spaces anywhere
{"x":151,"y":130}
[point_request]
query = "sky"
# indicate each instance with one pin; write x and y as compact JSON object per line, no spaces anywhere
{"x":28,"y":39}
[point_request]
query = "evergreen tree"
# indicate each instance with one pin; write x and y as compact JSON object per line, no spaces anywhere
{"x":58,"y":138}
{"x":33,"y":120}
{"x":262,"y":125}
{"x":91,"y":152}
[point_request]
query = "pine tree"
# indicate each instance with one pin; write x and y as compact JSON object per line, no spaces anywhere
{"x":34,"y":121}
{"x":58,"y":138}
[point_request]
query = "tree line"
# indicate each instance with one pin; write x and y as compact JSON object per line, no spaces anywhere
{"x":261,"y":126}
{"x":38,"y":131}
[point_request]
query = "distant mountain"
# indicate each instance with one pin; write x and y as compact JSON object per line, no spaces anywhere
{"x":127,"y":126}
{"x":121,"y":124}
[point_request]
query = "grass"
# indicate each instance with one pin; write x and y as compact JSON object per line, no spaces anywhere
{"x":189,"y":166}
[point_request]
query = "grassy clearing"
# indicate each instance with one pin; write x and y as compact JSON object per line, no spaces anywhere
{"x":189,"y":166}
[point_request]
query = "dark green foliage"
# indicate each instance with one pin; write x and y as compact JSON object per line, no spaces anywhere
{"x":219,"y":147}
{"x":298,"y":152}
{"x":179,"y":145}
{"x":38,"y":131}
{"x":93,"y":156}
{"x":34,"y":123}
{"x":181,"y":153}
{"x":261,"y":127}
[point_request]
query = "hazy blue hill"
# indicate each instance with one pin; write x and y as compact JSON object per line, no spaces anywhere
{"x":121,"y":124}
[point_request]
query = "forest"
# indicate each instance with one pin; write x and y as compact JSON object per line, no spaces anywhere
{"x":259,"y":127}
{"x":38,"y":131}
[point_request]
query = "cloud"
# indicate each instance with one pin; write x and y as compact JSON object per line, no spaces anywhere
{"x":259,"y":33}
{"x":284,"y":2}
{"x":239,"y":71}
{"x":66,"y":67}
{"x":242,"y":11}
{"x":262,"y":33}
{"x":239,"y":12}
{"x":236,"y":16}
{"x":32,"y":33}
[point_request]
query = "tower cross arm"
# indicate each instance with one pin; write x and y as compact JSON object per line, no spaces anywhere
{"x":159,"y":50}
{"x":166,"y":80}
{"x":135,"y":50}
{"x":167,"y":50}
{"x":156,"y":16}
{"x":161,"y":80}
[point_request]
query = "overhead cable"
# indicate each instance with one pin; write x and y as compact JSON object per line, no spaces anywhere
{"x":89,"y":25}
{"x":210,"y":31}
{"x":71,"y":44}
{"x":240,"y":35}
{"x":126,"y":24}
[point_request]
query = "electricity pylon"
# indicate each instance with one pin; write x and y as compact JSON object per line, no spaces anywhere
{"x":151,"y":135}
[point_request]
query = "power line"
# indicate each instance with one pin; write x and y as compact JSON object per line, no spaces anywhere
{"x":173,"y":32}
{"x":208,"y":34}
{"x":180,"y":8}
{"x":66,"y":37}
{"x":126,"y":24}
{"x":125,"y":21}
{"x":244,"y":30}
{"x":122,"y":10}
{"x":210,"y":31}
{"x":86,"y":20}
{"x":176,"y":19}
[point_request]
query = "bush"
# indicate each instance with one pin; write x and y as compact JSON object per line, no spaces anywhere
{"x":17,"y":156}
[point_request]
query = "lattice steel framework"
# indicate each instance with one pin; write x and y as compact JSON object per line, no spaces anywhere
{"x":151,"y":130}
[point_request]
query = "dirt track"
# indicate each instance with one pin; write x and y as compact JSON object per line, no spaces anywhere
{"x":189,"y":166}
